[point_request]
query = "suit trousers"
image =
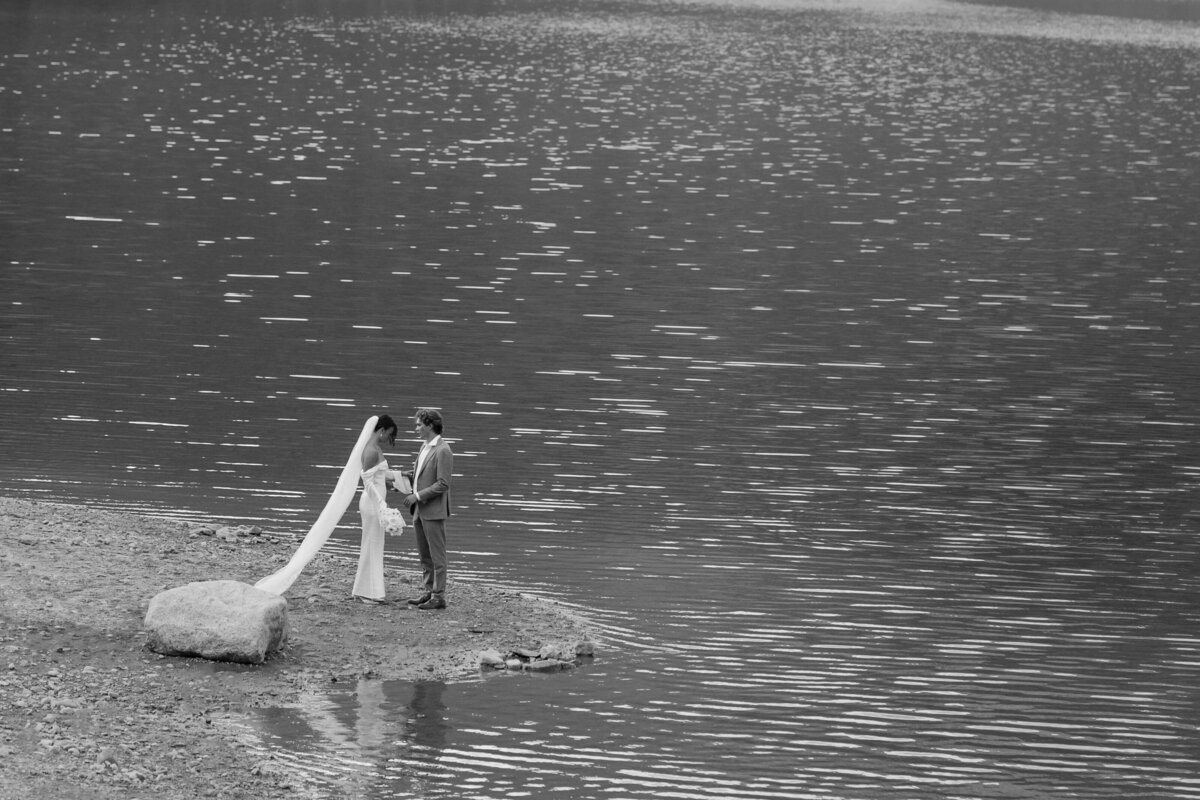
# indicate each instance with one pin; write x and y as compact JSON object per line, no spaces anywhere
{"x":431,"y":546}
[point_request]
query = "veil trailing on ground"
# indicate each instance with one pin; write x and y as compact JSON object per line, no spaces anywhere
{"x":279,"y":582}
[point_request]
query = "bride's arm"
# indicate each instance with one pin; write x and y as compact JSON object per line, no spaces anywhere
{"x":371,"y":456}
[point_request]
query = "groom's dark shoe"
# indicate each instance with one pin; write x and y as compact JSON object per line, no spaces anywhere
{"x":417,"y":601}
{"x":434,"y":602}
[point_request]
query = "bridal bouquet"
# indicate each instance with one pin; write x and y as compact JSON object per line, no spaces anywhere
{"x":393,"y":521}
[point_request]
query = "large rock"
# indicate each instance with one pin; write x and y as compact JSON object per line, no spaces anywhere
{"x":217,"y":620}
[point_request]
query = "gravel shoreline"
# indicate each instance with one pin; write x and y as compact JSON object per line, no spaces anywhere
{"x":86,"y":710}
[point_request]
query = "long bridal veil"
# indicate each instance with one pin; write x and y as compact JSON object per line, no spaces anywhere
{"x":279,"y":582}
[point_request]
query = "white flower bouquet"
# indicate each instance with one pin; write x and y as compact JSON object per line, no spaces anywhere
{"x":393,"y":520}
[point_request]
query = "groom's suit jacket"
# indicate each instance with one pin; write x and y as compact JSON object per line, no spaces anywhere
{"x":433,"y":482}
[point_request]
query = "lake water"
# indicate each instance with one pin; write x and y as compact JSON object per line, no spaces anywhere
{"x":840,"y":360}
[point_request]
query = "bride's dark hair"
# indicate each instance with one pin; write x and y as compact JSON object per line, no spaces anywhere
{"x":386,"y":422}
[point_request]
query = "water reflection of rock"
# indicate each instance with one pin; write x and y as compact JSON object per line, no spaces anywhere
{"x":385,"y":731}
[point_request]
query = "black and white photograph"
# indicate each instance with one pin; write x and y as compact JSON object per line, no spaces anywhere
{"x":600,"y":399}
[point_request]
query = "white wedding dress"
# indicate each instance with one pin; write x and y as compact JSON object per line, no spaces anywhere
{"x":372,"y":505}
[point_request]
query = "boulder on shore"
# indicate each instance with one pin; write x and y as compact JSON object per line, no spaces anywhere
{"x":217,"y":620}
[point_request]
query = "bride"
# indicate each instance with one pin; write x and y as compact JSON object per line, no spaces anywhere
{"x":366,"y":461}
{"x":373,"y":508}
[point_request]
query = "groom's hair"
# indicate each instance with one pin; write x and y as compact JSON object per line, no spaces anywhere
{"x":432,"y":418}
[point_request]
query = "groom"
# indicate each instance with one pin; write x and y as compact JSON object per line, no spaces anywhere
{"x":430,"y":506}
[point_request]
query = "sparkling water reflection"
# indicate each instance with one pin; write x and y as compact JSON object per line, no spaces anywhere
{"x":841,"y":361}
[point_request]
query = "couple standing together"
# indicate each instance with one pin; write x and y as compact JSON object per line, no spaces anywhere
{"x":426,"y":490}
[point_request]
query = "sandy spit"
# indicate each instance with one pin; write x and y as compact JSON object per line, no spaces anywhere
{"x":87,"y":711}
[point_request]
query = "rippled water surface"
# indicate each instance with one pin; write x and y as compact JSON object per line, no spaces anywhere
{"x":839,"y":360}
